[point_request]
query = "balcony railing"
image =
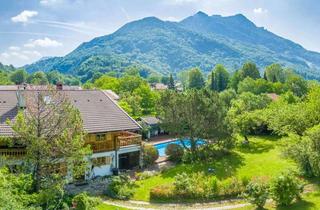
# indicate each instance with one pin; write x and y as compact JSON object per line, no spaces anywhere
{"x":127,"y":138}
{"x":102,"y":146}
{"x":12,"y":153}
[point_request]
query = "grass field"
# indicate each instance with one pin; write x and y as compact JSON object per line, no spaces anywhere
{"x":109,"y":207}
{"x":262,"y":158}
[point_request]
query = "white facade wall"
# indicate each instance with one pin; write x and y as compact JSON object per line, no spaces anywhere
{"x":105,"y":170}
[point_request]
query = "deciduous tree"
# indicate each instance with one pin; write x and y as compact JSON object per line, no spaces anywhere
{"x":51,"y":129}
{"x":194,"y":114}
{"x":195,"y":79}
{"x":219,"y":78}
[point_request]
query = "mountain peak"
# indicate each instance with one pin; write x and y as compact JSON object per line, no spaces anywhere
{"x":241,"y":18}
{"x":202,"y":14}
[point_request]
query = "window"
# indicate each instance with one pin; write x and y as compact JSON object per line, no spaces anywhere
{"x":101,"y":137}
{"x":100,"y":161}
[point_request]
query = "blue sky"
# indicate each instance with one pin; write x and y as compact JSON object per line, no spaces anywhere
{"x":31,"y":29}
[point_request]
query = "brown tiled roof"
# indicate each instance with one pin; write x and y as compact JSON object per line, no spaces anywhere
{"x":8,"y":110}
{"x":98,"y":111}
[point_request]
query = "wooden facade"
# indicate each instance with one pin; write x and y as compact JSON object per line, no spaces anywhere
{"x":104,"y":142}
{"x":100,"y":142}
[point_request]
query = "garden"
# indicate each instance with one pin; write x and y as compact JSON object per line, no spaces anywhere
{"x":252,"y":173}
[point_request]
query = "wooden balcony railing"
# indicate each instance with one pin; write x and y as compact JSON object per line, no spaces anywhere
{"x":101,"y":146}
{"x":127,"y":139}
{"x":12,"y":153}
{"x":122,"y":139}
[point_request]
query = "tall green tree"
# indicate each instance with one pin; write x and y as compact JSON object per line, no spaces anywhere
{"x":38,"y":78}
{"x":51,"y":129}
{"x":249,"y":69}
{"x":297,"y":85}
{"x":171,"y":84}
{"x":107,"y":83}
{"x":130,"y":83}
{"x":242,"y":117}
{"x":194,"y":114}
{"x":148,"y":98}
{"x":165,"y":80}
{"x":195,"y":79}
{"x":4,"y":78}
{"x":19,"y":76}
{"x":219,"y":78}
{"x":54,"y":77}
{"x":131,"y":103}
{"x":274,"y":73}
{"x":234,"y":80}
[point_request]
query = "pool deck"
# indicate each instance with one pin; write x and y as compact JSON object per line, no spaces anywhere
{"x":160,"y":139}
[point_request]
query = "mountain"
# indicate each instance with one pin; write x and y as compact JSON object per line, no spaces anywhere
{"x":6,"y":67}
{"x":199,"y":40}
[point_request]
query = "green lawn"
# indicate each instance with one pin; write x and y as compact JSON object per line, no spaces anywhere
{"x":262,"y":158}
{"x":109,"y":207}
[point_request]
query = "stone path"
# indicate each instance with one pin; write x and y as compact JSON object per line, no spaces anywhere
{"x":141,"y":205}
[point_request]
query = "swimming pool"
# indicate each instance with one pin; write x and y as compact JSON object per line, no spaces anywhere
{"x":161,"y":147}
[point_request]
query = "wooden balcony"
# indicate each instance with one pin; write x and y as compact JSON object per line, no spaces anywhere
{"x":106,"y":142}
{"x":101,"y":146}
{"x":12,"y":153}
{"x":126,"y":138}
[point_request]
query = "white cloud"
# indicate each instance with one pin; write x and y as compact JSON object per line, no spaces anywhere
{"x":24,"y":16}
{"x":20,"y":57}
{"x":14,"y":48}
{"x":32,"y":53}
{"x":46,"y":42}
{"x":171,"y":18}
{"x":260,"y":10}
{"x":181,"y":1}
{"x":5,"y":55}
{"x":49,"y":2}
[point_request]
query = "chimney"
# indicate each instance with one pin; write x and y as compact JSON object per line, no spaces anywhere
{"x":59,"y":86}
{"x":21,"y":99}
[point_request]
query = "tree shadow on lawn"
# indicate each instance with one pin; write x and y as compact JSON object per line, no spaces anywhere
{"x":299,"y":205}
{"x":223,"y":168}
{"x":255,"y":147}
{"x":259,"y":144}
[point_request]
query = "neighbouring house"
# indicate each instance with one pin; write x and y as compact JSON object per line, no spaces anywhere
{"x":113,"y":135}
{"x":112,"y":95}
{"x":273,"y":96}
{"x":159,"y":86}
{"x":151,"y":126}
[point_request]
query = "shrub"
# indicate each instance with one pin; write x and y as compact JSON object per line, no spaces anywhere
{"x":150,"y":155}
{"x":120,"y":187}
{"x":84,"y":202}
{"x":306,"y":152}
{"x":196,"y":186}
{"x":256,"y":193}
{"x":162,"y":192}
{"x":285,"y":188}
{"x":174,"y":152}
{"x":231,"y":187}
{"x":146,"y":174}
{"x":208,"y":152}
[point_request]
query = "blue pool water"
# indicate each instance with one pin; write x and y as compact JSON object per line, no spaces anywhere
{"x":162,"y":146}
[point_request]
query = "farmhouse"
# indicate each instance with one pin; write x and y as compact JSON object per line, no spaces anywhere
{"x":113,"y":135}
